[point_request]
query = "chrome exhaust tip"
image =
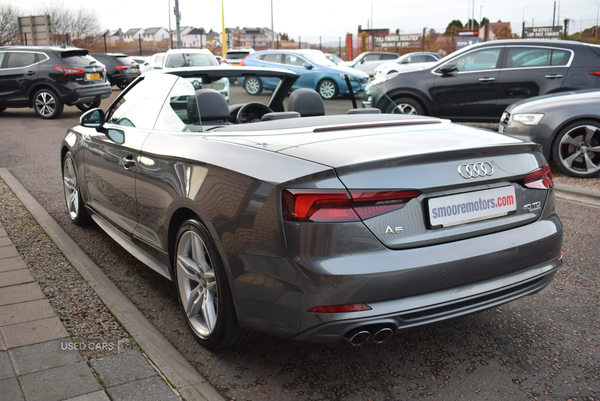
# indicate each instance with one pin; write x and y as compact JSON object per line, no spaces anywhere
{"x":359,"y":338}
{"x":382,"y":335}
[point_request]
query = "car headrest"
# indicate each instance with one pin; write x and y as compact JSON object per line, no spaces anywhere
{"x":366,"y":110}
{"x":212,"y":106}
{"x":307,"y":102}
{"x":280,"y":115}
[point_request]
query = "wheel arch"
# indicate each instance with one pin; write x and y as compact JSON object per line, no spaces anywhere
{"x":42,"y":85}
{"x":413,"y":95}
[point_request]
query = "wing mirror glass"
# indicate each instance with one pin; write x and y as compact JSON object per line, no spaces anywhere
{"x":93,"y":118}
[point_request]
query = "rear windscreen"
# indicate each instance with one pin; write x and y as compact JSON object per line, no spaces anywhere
{"x":125,"y":60}
{"x":235,"y":56}
{"x":79,"y":58}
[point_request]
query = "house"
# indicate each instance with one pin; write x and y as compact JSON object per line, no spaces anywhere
{"x":492,"y":30}
{"x":133,"y":35}
{"x":193,"y":37}
{"x":155,"y":35}
{"x":258,"y":38}
{"x":115,"y":36}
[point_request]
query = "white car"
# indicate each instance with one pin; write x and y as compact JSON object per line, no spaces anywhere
{"x":368,"y":61}
{"x":408,"y":62}
{"x":178,"y":58}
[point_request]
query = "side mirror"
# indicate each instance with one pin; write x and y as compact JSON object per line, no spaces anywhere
{"x":93,"y":118}
{"x":308,"y":66}
{"x":448,"y":69}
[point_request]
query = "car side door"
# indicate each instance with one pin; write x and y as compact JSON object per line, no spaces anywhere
{"x":531,"y":71}
{"x":296,"y":63}
{"x":19,"y":70}
{"x":468,"y":91}
{"x":112,"y":154}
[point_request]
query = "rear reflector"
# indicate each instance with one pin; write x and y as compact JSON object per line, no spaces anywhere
{"x":539,"y":179}
{"x":339,"y":205}
{"x":340,"y":308}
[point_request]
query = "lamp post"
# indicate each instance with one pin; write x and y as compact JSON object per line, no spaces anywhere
{"x":523,"y":19}
{"x":597,"y":15}
{"x":469,"y":13}
{"x":272,"y":24}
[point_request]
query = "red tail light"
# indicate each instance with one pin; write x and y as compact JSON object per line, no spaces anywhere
{"x":595,"y":73}
{"x":242,"y":62}
{"x":539,"y":179}
{"x":340,"y":308}
{"x":339,"y":205}
{"x":122,"y":67}
{"x":69,"y":70}
{"x":103,"y":68}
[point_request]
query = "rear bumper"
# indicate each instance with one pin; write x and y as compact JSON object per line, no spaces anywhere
{"x":88,"y":94}
{"x":404,"y":288}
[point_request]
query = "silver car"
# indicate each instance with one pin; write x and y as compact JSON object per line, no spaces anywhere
{"x":272,"y":217}
{"x":566,"y":124}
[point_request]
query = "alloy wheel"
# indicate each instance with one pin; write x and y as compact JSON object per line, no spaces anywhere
{"x":197,"y":283}
{"x":45,"y":103}
{"x":71,"y":188}
{"x":579,"y":149}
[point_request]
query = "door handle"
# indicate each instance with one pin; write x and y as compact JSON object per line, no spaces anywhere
{"x":488,"y":79}
{"x":30,"y":73}
{"x":128,"y":162}
{"x":553,"y":76}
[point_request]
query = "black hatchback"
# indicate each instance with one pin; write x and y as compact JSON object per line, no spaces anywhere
{"x":478,"y":82}
{"x":121,"y":69}
{"x":47,"y":78}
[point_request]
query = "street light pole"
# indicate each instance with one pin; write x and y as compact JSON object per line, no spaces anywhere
{"x":597,"y":15}
{"x":523,"y":19}
{"x":272,"y":24}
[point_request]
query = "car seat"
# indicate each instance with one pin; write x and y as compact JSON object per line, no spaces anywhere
{"x":307,"y":102}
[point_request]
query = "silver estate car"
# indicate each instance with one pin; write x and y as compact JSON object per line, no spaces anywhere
{"x":273,"y":217}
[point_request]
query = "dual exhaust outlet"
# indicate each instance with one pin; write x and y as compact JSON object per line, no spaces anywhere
{"x":362,"y":335}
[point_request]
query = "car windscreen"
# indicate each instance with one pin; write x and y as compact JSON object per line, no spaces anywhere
{"x":236,"y":55}
{"x":319,"y":59}
{"x":81,"y":60}
{"x":177,"y":60}
{"x":125,"y":60}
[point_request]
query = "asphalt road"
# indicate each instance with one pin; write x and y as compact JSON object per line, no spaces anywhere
{"x":543,"y":347}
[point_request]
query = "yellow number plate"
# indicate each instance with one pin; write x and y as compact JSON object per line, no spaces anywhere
{"x":134,"y":69}
{"x":92,"y":76}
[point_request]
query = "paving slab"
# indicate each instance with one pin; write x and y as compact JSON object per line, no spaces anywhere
{"x":12,"y":264}
{"x":59,"y":383}
{"x":8,"y":252}
{"x":34,"y":332}
{"x":11,"y":390}
{"x":3,"y":232}
{"x":42,"y":356}
{"x":6,"y":370}
{"x":2,"y":345}
{"x":20,"y":293}
{"x":5,"y":241}
{"x":15,"y":277}
{"x":97,"y":396}
{"x":25,"y":312}
{"x":152,"y":388}
{"x":118,"y":369}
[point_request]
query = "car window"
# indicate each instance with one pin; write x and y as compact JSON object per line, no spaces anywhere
{"x":180,"y":111}
{"x":272,"y":58}
{"x":1,"y":57}
{"x":518,"y":57}
{"x":292,"y":59}
{"x":236,"y":55}
{"x":20,"y":59}
{"x":483,"y":59}
{"x":125,"y":60}
{"x":80,"y":60}
{"x":428,"y":58}
{"x":372,"y":57}
{"x":389,"y":56}
{"x":190,"y":60}
{"x":142,"y":102}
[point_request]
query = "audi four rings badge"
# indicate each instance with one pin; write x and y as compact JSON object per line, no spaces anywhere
{"x":473,"y":170}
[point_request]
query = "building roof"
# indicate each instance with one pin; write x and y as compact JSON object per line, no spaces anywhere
{"x":133,"y":31}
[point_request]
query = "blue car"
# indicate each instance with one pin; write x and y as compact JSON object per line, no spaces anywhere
{"x":315,"y":71}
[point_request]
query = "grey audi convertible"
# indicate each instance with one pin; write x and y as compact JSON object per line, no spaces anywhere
{"x":270,"y":216}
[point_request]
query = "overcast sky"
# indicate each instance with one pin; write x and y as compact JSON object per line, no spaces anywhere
{"x":328,"y":18}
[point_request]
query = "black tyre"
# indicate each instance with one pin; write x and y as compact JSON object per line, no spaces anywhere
{"x":89,"y":105}
{"x":75,"y":205}
{"x":122,"y":86}
{"x":47,"y":104}
{"x":408,"y":105}
{"x":327,"y":89}
{"x":253,"y":86}
{"x":576,"y":149}
{"x":203,"y":289}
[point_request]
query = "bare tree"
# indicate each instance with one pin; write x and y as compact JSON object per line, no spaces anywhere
{"x":9,"y":25}
{"x":78,"y":24}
